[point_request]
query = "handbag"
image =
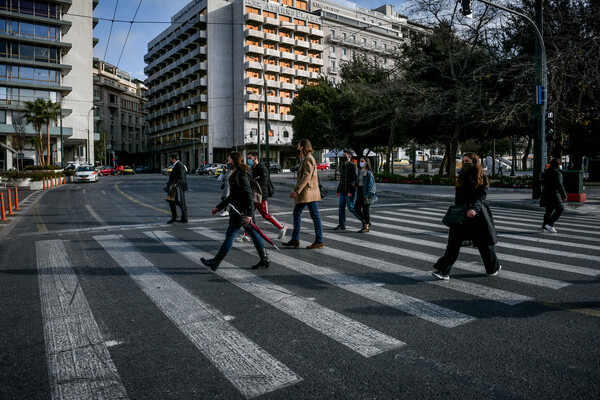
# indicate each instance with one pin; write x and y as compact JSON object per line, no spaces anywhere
{"x":171,"y":191}
{"x":455,"y":215}
{"x":372,"y":199}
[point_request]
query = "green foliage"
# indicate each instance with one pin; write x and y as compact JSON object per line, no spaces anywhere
{"x":41,"y":167}
{"x":423,"y":179}
{"x":34,"y":175}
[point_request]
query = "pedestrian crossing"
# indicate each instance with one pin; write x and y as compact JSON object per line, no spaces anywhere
{"x":403,"y":244}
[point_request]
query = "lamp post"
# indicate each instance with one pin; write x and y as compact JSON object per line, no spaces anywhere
{"x":62,"y":143}
{"x":194,"y":143}
{"x":87,"y":156}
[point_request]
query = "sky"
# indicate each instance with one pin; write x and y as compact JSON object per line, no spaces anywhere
{"x":133,"y":51}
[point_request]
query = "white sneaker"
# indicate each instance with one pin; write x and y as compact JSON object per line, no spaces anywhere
{"x":239,"y":238}
{"x":282,"y":232}
{"x":246,"y":238}
{"x":549,"y":228}
{"x":440,"y":276}
{"x":224,"y":213}
{"x":495,"y":273}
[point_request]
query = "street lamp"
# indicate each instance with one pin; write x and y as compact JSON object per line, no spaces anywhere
{"x":194,"y":143}
{"x":87,"y":156}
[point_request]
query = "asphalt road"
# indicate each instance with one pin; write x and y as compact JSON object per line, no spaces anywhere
{"x":102,"y":299}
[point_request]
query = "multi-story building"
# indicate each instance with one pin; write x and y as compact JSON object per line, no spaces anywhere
{"x":222,"y":64}
{"x":46,"y":52}
{"x":120,"y":113}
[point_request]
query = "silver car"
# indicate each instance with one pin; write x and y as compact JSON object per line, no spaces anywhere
{"x":86,"y":174}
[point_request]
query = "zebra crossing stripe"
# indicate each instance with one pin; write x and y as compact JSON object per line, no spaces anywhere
{"x":428,"y":311}
{"x":469,"y":266}
{"x":514,"y":246}
{"x":505,"y":257}
{"x":249,"y":368}
{"x":536,"y":239}
{"x":354,"y":335}
{"x":79,"y":364}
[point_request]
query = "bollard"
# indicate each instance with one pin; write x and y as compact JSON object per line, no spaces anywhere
{"x":10,"y":212}
{"x":17,"y":199}
{"x":44,"y":180}
{"x":3,"y":213}
{"x":51,"y":183}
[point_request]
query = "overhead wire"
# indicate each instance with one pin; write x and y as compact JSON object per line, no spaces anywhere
{"x":111,"y":27}
{"x":128,"y":32}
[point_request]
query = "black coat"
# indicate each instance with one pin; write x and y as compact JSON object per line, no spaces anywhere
{"x":178,"y":176}
{"x":348,"y":178}
{"x":240,"y":196}
{"x":260,"y":173}
{"x":553,"y":191}
{"x":480,"y":229}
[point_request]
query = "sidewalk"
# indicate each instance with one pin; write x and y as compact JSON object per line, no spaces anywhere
{"x":499,"y":197}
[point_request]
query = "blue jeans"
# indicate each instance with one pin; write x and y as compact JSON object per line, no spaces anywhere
{"x":348,"y":201}
{"x":313,"y":208}
{"x":230,"y":236}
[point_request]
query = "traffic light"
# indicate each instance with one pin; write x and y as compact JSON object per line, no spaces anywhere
{"x":549,"y":125}
{"x":467,"y":9}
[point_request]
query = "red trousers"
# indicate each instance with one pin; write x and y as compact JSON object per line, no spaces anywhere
{"x":263,"y":209}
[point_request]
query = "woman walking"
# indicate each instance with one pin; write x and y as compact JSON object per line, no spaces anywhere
{"x":306,"y":193}
{"x":240,"y":197}
{"x":365,"y":194}
{"x":553,"y":195}
{"x":471,"y":190}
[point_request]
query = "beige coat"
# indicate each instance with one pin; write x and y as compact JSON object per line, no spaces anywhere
{"x":307,"y":186}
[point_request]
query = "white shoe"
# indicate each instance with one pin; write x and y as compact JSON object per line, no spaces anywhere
{"x":282,"y":232}
{"x":239,"y":238}
{"x":246,"y":238}
{"x":549,"y":228}
{"x":495,"y":273}
{"x":224,"y":213}
{"x":440,"y":276}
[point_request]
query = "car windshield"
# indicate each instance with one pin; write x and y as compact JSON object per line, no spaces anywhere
{"x":85,"y":169}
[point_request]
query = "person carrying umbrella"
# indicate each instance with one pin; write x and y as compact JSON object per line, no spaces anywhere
{"x":240,"y":196}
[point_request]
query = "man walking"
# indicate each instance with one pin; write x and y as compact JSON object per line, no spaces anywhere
{"x":261,"y":175}
{"x":346,"y":190}
{"x":178,"y":184}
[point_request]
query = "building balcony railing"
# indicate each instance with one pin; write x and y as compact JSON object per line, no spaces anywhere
{"x":333,"y":38}
{"x":253,"y":33}
{"x":273,"y":99}
{"x":316,"y":47}
{"x":288,"y":40}
{"x":198,"y":21}
{"x":253,"y":82}
{"x":286,"y":100}
{"x":195,"y":53}
{"x":288,"y":71}
{"x":316,"y":61}
{"x":252,"y":65}
{"x":332,"y":70}
{"x":184,"y":74}
{"x":303,"y":44}
{"x":271,"y":68}
{"x":303,"y":74}
{"x":253,"y":49}
{"x":316,"y":32}
{"x":287,"y":117}
{"x":271,"y":21}
{"x":287,"y":86}
{"x":253,"y":18}
{"x":303,"y":29}
{"x":177,"y":49}
{"x":273,"y":84}
{"x":271,"y":53}
{"x":284,"y":55}
{"x":271,"y":37}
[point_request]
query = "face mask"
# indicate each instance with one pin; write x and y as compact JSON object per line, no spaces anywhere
{"x":467,"y":166}
{"x":362,"y":164}
{"x":229,"y":165}
{"x":250,"y":162}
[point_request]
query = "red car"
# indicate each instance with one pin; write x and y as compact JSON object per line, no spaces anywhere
{"x":106,"y":170}
{"x":322,"y":165}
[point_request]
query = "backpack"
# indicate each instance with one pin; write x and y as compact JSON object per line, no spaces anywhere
{"x":256,"y":191}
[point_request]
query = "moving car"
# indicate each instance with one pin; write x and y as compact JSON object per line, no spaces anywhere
{"x":322,"y":165}
{"x":274,"y":168}
{"x":210,"y":170}
{"x":206,"y":169}
{"x":295,"y":168}
{"x":219,"y":170}
{"x":106,"y":170}
{"x":128,"y":170}
{"x":86,"y":173}
{"x":167,"y":170}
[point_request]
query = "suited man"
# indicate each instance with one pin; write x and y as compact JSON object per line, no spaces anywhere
{"x":177,"y":177}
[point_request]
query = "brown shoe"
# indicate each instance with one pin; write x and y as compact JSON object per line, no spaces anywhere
{"x":316,"y":245}
{"x":291,"y":243}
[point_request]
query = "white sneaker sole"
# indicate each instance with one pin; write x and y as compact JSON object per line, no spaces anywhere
{"x":495,"y":273}
{"x":282,"y":233}
{"x":440,"y":276}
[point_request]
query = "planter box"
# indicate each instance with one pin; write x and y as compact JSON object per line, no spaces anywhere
{"x":20,"y":182}
{"x":69,"y":179}
{"x":36,"y":185}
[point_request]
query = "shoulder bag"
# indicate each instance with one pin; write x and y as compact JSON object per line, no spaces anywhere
{"x":455,"y":215}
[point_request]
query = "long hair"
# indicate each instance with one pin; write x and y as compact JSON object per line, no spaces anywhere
{"x":238,"y":162}
{"x":368,"y":163}
{"x":474,"y":175}
{"x":306,"y":147}
{"x":554,"y":163}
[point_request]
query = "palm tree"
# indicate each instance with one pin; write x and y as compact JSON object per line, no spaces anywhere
{"x":51,"y":114}
{"x":39,"y":113}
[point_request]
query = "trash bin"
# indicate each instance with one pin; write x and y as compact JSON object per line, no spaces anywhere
{"x":594,"y":169}
{"x":573,"y":180}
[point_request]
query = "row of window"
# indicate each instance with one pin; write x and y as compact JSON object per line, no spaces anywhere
{"x":282,"y":18}
{"x":40,"y":76}
{"x":283,"y":47}
{"x":37,"y":8}
{"x":273,"y":108}
{"x":365,"y":41}
{"x":18,"y":96}
{"x":29,"y":52}
{"x":29,"y":29}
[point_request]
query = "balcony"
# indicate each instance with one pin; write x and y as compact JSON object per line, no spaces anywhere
{"x":273,"y":84}
{"x":303,"y":29}
{"x":288,"y":71}
{"x":316,"y":47}
{"x":270,"y":37}
{"x":332,"y":70}
{"x":253,"y":18}
{"x":303,"y":74}
{"x":271,"y":68}
{"x":287,"y":40}
{"x":286,"y":100}
{"x":271,"y":22}
{"x":315,"y":75}
{"x":284,"y":55}
{"x":287,"y":118}
{"x":271,"y":53}
{"x":334,"y":39}
{"x":253,"y":65}
{"x":253,"y":33}
{"x":253,"y":82}
{"x":303,"y":44}
{"x":287,"y":86}
{"x":273,"y":100}
{"x":316,"y":32}
{"x":315,"y":61}
{"x":301,"y":59}
{"x":253,"y":50}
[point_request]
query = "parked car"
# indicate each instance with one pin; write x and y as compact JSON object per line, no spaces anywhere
{"x":322,"y":165}
{"x":128,"y":170}
{"x":219,"y":170}
{"x":142,"y":169}
{"x":295,"y":168}
{"x":401,"y":162}
{"x":106,"y":170}
{"x":86,"y":173}
{"x":167,"y":170}
{"x":274,"y":168}
{"x":206,"y":169}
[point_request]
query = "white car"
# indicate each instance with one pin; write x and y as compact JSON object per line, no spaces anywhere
{"x":86,"y":174}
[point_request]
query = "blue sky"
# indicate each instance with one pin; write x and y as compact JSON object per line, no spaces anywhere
{"x":132,"y":60}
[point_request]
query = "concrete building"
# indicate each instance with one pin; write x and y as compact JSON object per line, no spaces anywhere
{"x":212,"y":74}
{"x":46,"y":52}
{"x":120,"y":113}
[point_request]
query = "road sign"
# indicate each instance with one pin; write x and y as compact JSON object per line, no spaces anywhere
{"x":108,"y":146}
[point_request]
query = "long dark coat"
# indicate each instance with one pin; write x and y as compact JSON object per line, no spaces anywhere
{"x":240,"y":196}
{"x":480,"y":229}
{"x":178,"y":176}
{"x":553,"y":191}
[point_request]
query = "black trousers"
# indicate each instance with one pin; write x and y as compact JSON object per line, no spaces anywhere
{"x":362,"y":209}
{"x":553,"y":213}
{"x":488,"y":255}
{"x":179,"y":201}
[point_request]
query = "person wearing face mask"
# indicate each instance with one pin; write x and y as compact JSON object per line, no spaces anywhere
{"x":346,"y":190}
{"x":261,"y":174}
{"x":553,"y":195}
{"x":365,"y":193}
{"x":224,"y":177}
{"x":471,"y":189}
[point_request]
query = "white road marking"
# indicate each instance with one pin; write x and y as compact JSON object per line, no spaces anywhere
{"x":356,"y":336}
{"x":79,"y":364}
{"x":103,"y":192}
{"x":249,"y":368}
{"x":428,"y":311}
{"x":95,"y":215}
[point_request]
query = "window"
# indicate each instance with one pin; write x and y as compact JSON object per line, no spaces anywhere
{"x":2,"y":116}
{"x":287,"y":2}
{"x":3,"y":75}
{"x":2,"y":25}
{"x":344,"y":52}
{"x":313,"y":25}
{"x":301,"y":4}
{"x":252,"y":10}
{"x":332,"y":50}
{"x":332,"y":64}
{"x":269,"y":14}
{"x":285,"y":19}
{"x":299,"y":22}
{"x":27,"y":28}
{"x":300,"y":37}
{"x":332,"y":32}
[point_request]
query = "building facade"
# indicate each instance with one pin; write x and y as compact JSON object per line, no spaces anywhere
{"x":46,"y":52}
{"x":120,"y":102}
{"x":227,"y":70}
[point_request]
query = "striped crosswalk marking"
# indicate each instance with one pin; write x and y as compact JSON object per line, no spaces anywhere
{"x":356,"y":336}
{"x":410,"y":305}
{"x":469,"y":266}
{"x":79,"y":364}
{"x":249,"y":368}
{"x":504,"y":257}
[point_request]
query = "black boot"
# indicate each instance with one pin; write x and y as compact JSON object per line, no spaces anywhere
{"x":264,"y":260}
{"x":214,"y":263}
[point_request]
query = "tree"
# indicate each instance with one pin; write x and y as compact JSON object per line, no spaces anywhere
{"x":100,"y":146}
{"x":39,"y":113}
{"x":19,"y":140}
